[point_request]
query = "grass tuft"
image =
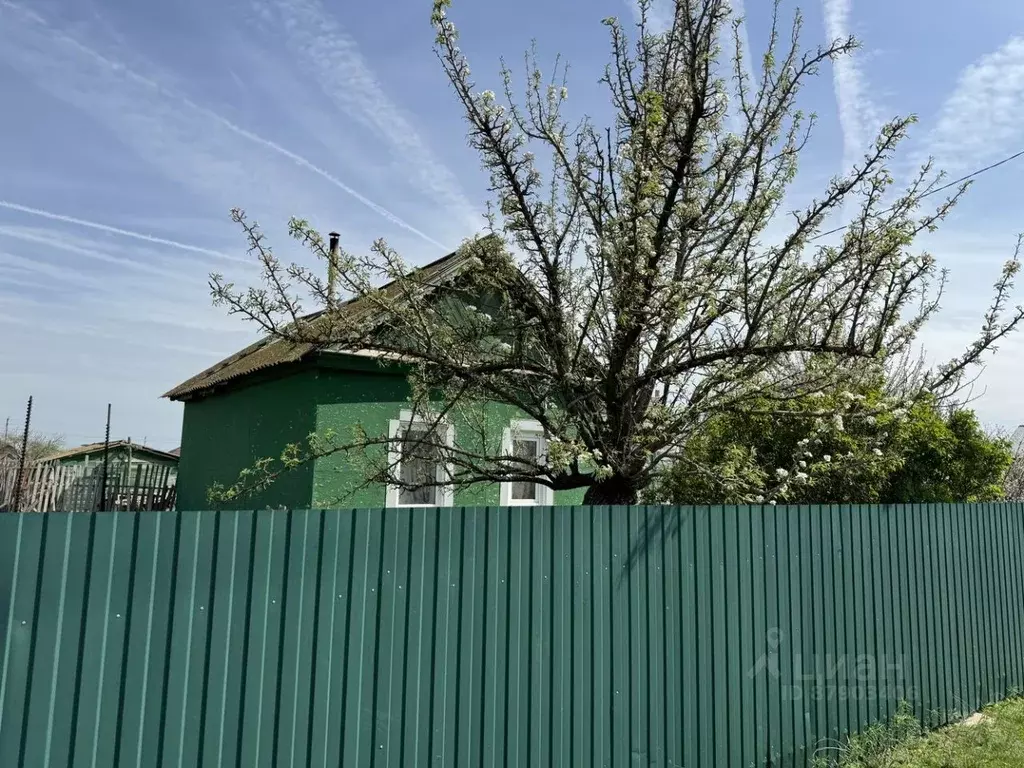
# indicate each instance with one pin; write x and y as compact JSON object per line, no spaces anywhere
{"x":996,"y":742}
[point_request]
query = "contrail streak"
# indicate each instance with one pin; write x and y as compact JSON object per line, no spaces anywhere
{"x":302,"y":162}
{"x":116,"y":230}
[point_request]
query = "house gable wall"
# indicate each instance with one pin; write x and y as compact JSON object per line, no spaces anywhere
{"x":231,"y":430}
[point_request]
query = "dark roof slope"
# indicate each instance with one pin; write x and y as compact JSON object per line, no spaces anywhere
{"x":91,"y":448}
{"x":270,"y":352}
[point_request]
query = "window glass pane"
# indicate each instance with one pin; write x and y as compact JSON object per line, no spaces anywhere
{"x":523,"y":491}
{"x":525,"y":448}
{"x":419,"y":465}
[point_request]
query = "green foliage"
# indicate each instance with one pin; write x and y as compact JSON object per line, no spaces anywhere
{"x":948,"y":458}
{"x":994,"y":741}
{"x":875,"y":746}
{"x":867,"y":455}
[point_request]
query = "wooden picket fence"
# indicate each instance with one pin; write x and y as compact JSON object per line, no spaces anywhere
{"x":52,"y":487}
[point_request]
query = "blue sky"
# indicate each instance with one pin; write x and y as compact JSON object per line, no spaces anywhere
{"x":130,"y":129}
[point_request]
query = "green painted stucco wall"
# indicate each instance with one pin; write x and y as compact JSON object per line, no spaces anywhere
{"x":229,"y":431}
{"x":372,"y":399}
{"x":226,"y":432}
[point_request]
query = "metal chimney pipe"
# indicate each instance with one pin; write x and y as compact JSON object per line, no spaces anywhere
{"x":332,"y":265}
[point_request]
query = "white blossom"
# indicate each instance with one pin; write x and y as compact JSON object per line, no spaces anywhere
{"x":801,"y":476}
{"x":877,"y":451}
{"x":686,"y":322}
{"x":827,"y":458}
{"x":772,"y":502}
{"x":759,"y":499}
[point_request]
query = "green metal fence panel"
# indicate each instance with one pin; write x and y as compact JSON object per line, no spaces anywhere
{"x":568,"y":636}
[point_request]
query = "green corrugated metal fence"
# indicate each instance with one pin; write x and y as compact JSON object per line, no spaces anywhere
{"x":497,"y":637}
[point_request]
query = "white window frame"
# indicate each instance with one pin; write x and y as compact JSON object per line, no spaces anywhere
{"x":534,"y":431}
{"x":393,"y":492}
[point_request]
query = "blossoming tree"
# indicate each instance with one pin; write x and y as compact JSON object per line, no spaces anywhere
{"x":633,"y":288}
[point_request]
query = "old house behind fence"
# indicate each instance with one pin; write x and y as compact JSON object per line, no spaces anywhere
{"x":132,"y":477}
{"x":119,"y":454}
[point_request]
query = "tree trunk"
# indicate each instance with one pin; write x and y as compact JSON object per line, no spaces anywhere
{"x":616,"y":489}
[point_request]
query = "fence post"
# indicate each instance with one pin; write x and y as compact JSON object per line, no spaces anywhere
{"x":21,"y":459}
{"x":106,"y":463}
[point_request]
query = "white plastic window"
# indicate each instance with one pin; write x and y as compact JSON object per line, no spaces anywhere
{"x":525,"y":440}
{"x":416,"y":462}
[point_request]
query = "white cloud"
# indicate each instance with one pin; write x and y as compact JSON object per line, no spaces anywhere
{"x":983,"y":118}
{"x":78,"y":335}
{"x":117,"y":303}
{"x":859,"y":116}
{"x":659,"y":15}
{"x":739,"y":11}
{"x":190,"y":143}
{"x":322,"y":46}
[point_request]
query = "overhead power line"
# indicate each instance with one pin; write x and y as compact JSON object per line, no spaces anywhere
{"x":935,"y":191}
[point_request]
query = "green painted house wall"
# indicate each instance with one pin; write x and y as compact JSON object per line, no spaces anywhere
{"x":230,"y":430}
{"x":373,"y":398}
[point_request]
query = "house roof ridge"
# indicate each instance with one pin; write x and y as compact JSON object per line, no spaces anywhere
{"x":113,"y":444}
{"x":269,"y":352}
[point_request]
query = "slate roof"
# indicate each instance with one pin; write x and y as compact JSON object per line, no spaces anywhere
{"x":91,"y":448}
{"x":271,"y":352}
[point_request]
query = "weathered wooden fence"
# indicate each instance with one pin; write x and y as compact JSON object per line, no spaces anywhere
{"x":497,"y":637}
{"x":53,"y":487}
